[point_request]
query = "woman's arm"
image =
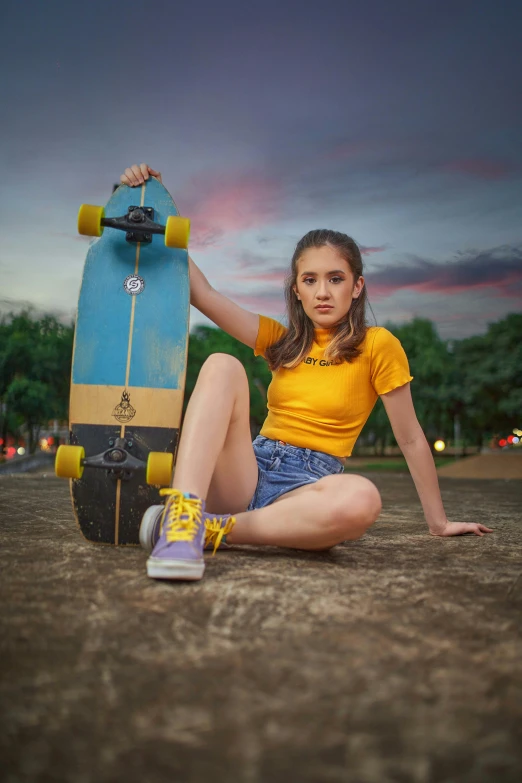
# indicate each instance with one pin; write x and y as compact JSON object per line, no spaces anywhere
{"x":233,"y":319}
{"x":413,"y":444}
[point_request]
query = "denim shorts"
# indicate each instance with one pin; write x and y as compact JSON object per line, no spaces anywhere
{"x":283,"y":468}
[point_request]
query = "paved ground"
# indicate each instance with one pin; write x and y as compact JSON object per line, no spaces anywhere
{"x":396,"y":658}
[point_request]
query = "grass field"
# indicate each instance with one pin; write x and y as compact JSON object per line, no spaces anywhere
{"x":395,"y":464}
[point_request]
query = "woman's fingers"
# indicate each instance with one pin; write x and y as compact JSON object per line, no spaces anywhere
{"x":131,"y":176}
{"x":461,"y":528}
{"x":136,"y":175}
{"x":477,"y":529}
{"x":155,"y":174}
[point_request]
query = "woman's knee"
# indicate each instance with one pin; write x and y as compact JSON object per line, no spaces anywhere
{"x":222,"y":365}
{"x":353,"y":505}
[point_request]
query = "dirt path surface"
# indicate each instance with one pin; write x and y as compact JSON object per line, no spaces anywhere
{"x":503,"y":465}
{"x":392,"y":659}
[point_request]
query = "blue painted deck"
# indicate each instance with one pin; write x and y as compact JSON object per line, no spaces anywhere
{"x":159,"y":335}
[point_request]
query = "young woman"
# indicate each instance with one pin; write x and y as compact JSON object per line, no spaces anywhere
{"x":288,"y":487}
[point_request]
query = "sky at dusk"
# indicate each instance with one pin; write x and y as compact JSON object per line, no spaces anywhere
{"x":398,"y":123}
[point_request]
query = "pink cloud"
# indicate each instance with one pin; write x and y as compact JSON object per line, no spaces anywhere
{"x":268,"y":303}
{"x":498,"y":270}
{"x":221,"y":204}
{"x":367,"y":251}
{"x":347,"y":150}
{"x":270,"y":276}
{"x":479,"y":168}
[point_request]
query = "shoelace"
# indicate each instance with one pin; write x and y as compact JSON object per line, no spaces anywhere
{"x":182,"y":516}
{"x":215,"y":530}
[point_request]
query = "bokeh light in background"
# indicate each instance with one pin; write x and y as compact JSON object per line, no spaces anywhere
{"x":511,"y":440}
{"x":439,"y":445}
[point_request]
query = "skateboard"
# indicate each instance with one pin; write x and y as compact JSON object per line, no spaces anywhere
{"x":129,"y":361}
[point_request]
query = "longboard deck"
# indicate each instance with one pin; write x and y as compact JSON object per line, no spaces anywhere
{"x":129,"y":363}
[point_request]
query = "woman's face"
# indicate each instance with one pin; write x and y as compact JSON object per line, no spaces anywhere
{"x":325,"y":286}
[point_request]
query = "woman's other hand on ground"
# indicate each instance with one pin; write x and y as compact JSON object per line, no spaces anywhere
{"x":136,"y":175}
{"x":461,"y":528}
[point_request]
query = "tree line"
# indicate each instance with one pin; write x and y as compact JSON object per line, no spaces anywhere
{"x":471,"y":388}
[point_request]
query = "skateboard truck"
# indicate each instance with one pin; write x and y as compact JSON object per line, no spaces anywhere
{"x":138,"y":224}
{"x":116,"y":459}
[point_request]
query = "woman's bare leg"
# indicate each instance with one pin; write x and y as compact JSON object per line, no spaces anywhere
{"x":215,"y":459}
{"x":216,"y":462}
{"x":316,"y":516}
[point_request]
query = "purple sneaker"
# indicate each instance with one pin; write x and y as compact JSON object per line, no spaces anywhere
{"x":178,"y":551}
{"x":216,"y":528}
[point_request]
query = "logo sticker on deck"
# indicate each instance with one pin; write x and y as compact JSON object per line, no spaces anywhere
{"x":134,"y":285}
{"x":124,"y":411}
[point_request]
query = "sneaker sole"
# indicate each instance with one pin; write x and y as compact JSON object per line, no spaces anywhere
{"x":158,"y":568}
{"x":147,"y":527}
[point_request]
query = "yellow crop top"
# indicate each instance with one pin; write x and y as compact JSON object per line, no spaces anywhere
{"x":323,"y":406}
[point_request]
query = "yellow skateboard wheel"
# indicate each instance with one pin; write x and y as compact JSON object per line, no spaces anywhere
{"x":89,"y":220}
{"x":68,"y":462}
{"x":159,"y":468}
{"x":177,"y":232}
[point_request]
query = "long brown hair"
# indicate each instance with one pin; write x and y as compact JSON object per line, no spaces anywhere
{"x":296,"y":343}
